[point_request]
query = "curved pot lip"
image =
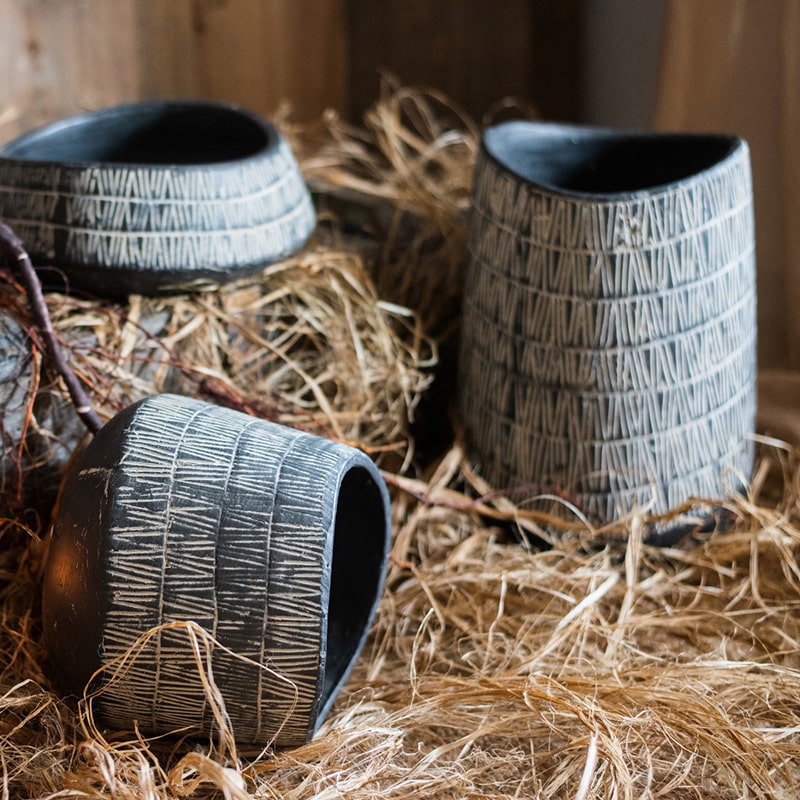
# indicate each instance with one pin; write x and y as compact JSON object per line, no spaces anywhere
{"x":492,"y":136}
{"x":361,"y":461}
{"x":273,"y":137}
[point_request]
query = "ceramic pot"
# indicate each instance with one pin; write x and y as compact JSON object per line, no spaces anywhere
{"x":16,"y":373}
{"x":273,"y":540}
{"x":155,"y":197}
{"x":609,"y":331}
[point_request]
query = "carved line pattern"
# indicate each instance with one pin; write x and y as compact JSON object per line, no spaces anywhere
{"x":667,"y":362}
{"x":239,"y":549}
{"x":143,"y":214}
{"x":609,"y":348}
{"x":159,"y":218}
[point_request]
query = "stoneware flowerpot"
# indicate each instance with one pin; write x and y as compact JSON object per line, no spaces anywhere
{"x":609,"y":332}
{"x":155,"y":197}
{"x":272,"y":540}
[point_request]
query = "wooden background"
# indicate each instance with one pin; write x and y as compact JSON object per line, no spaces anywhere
{"x":61,"y":56}
{"x":725,"y":65}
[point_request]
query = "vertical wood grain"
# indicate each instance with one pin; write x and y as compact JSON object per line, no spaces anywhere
{"x":58,"y":57}
{"x":733,"y":66}
{"x":474,"y":51}
{"x":255,"y":53}
{"x":557,"y":55}
{"x":788,"y":151}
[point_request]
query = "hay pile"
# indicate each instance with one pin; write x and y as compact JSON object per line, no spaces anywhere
{"x":580,"y":664}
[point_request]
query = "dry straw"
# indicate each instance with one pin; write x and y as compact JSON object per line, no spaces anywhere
{"x":579,"y":664}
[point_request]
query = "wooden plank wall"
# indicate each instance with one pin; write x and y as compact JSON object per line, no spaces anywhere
{"x":58,"y":57}
{"x":476,"y":51}
{"x":252,"y":52}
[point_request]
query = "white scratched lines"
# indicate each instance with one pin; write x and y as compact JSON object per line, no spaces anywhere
{"x":272,"y":550}
{"x":723,"y":227}
{"x":610,"y":337}
{"x":718,"y":187}
{"x":561,"y":324}
{"x":219,"y":531}
{"x":67,"y":189}
{"x":284,"y":219}
{"x":558,"y":408}
{"x":157,"y":182}
{"x":628,"y":467}
{"x":242,"y":557}
{"x":173,"y":447}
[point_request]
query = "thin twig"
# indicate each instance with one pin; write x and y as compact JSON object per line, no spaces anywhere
{"x":12,"y":248}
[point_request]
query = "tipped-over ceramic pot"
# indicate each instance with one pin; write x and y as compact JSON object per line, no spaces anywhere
{"x":609,"y":332}
{"x":155,"y":197}
{"x":272,"y":540}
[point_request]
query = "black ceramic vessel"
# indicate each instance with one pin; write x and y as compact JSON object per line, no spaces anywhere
{"x":155,"y":197}
{"x":272,"y":540}
{"x":609,"y":328}
{"x":16,"y":374}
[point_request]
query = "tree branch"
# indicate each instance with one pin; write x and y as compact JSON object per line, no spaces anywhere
{"x":13,"y":250}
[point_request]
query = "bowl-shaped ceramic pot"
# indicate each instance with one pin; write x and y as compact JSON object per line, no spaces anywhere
{"x":273,"y":540}
{"x":609,"y":333}
{"x":155,"y":197}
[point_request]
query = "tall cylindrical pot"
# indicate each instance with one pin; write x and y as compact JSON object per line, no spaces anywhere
{"x":609,"y":331}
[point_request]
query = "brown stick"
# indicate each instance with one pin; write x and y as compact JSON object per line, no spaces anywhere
{"x":12,"y":248}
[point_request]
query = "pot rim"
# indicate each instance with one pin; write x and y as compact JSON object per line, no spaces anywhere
{"x":141,"y":109}
{"x":491,"y":147}
{"x":327,"y":691}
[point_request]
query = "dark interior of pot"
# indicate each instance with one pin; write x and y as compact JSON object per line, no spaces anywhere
{"x":596,"y":161}
{"x":359,"y":555}
{"x":152,"y":134}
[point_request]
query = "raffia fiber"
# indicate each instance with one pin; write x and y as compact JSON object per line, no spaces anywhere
{"x":584,"y":664}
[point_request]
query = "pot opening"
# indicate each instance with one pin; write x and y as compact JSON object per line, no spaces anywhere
{"x":157,"y":134}
{"x":359,"y":552}
{"x":599,"y":162}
